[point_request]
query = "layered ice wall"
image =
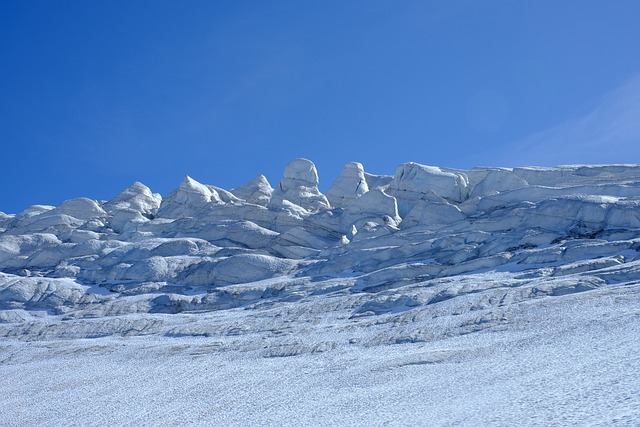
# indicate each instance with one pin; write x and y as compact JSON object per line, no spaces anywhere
{"x":380,"y":232}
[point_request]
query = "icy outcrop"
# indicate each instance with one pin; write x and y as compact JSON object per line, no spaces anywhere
{"x":257,"y":191}
{"x":350,"y":184}
{"x":300,"y":187}
{"x":188,"y":199}
{"x":413,"y":182}
{"x":137,"y":197}
{"x":133,"y":205}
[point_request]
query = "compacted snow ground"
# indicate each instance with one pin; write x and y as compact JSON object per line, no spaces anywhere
{"x":434,"y":297}
{"x":568,"y":360}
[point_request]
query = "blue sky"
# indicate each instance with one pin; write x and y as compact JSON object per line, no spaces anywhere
{"x":97,"y":95}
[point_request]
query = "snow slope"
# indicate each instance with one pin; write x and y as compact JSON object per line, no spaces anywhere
{"x":434,"y":296}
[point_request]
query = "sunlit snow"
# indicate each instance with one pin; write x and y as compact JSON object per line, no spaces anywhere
{"x":435,"y":296}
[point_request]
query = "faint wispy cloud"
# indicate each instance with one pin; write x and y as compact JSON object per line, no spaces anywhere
{"x":608,"y":134}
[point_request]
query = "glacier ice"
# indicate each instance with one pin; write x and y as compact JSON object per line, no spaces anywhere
{"x":350,"y":185}
{"x":444,"y":222}
{"x":427,"y":267}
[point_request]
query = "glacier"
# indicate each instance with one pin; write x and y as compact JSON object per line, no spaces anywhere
{"x":433,"y":296}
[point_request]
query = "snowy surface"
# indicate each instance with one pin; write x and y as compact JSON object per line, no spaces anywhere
{"x":431,"y":297}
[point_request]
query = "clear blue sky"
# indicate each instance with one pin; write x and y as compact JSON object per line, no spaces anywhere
{"x":95,"y":95}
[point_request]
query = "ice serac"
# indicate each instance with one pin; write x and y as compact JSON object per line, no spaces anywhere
{"x":299,"y":186}
{"x":257,"y":191}
{"x":413,"y":182}
{"x":350,"y":184}
{"x":137,"y":197}
{"x":188,"y":199}
{"x":135,"y":204}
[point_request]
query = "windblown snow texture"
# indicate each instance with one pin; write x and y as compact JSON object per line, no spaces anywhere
{"x":435,"y":296}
